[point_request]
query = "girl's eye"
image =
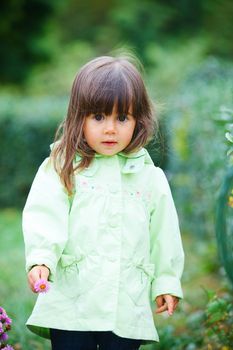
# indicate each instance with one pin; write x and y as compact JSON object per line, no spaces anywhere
{"x":98,"y":117}
{"x":122,"y":117}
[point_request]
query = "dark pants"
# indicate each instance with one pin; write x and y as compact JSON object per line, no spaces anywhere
{"x":78,"y":340}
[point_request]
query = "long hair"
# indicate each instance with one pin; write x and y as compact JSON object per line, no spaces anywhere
{"x":100,"y":85}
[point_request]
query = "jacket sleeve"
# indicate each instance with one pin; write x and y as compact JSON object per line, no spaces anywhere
{"x":166,"y":246}
{"x":45,"y":219}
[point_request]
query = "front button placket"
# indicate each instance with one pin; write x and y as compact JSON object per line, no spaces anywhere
{"x":113,"y":225}
{"x":113,"y":180}
{"x":114,"y":217}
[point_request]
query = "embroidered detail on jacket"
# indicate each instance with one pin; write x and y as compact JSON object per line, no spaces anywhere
{"x":144,"y":195}
{"x":84,"y":185}
{"x":88,"y":186}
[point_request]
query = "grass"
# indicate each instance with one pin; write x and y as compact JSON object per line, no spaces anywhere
{"x":202,"y":271}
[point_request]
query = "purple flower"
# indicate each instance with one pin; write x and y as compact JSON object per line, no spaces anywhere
{"x":5,"y":326}
{"x":3,"y":317}
{"x":3,"y":337}
{"x":41,"y":286}
{"x":8,"y":320}
{"x":7,"y":347}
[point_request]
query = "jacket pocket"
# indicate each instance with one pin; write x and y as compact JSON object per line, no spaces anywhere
{"x":67,"y":275}
{"x":76,"y":275}
{"x":137,"y":280}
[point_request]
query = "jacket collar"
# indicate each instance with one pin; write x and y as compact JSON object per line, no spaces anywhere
{"x":134,"y":162}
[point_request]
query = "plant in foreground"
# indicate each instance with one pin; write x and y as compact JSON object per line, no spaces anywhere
{"x":5,"y":327}
{"x":219,"y":321}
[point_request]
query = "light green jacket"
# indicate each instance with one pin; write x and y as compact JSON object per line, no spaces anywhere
{"x":111,"y":251}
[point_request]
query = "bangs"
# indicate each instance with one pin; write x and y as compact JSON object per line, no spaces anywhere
{"x":104,"y":89}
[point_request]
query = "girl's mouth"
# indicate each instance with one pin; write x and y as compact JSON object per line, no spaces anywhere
{"x":109,"y":143}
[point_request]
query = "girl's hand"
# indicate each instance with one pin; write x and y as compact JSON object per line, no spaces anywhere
{"x":36,"y":273}
{"x":166,"y":302}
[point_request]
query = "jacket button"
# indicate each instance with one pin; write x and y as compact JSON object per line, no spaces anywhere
{"x":112,"y":259}
{"x":113,"y":223}
{"x":113,"y":189}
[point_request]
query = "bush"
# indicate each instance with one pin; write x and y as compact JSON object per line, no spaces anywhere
{"x":27,"y":127}
{"x":197,"y":148}
{"x":219,"y":321}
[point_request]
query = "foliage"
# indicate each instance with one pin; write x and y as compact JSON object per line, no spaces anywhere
{"x":196,"y":143}
{"x":56,"y":77}
{"x":224,"y":223}
{"x":22,"y":26}
{"x":216,"y":22}
{"x":140,"y":24}
{"x":36,"y":31}
{"x":226,"y":120}
{"x":170,"y":65}
{"x":27,"y":128}
{"x":219,"y":321}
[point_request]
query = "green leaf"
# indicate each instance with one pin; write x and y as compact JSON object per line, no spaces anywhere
{"x":229,"y":136}
{"x":230,"y":152}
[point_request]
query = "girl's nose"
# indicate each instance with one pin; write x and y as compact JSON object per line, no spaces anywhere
{"x":109,"y":127}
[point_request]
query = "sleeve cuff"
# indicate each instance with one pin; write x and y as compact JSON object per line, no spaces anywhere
{"x":166,"y":285}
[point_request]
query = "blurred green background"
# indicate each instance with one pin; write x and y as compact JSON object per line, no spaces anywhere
{"x":186,"y":49}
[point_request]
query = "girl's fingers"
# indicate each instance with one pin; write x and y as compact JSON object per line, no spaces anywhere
{"x":170,"y":306}
{"x":165,"y":307}
{"x":36,"y":273}
{"x":31,"y":282}
{"x":166,"y":302}
{"x":161,"y":309}
{"x":159,"y":301}
{"x":33,"y":275}
{"x":172,"y":302}
{"x":44,"y":273}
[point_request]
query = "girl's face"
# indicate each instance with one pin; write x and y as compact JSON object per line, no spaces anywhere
{"x":108,"y":135}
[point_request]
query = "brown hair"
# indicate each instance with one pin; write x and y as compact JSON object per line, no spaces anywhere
{"x":98,"y":86}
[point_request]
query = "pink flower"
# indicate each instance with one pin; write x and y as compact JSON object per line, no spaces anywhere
{"x":5,"y":326}
{"x":41,"y":286}
{"x":8,"y":347}
{"x":3,"y":316}
{"x":3,"y":337}
{"x":8,"y":321}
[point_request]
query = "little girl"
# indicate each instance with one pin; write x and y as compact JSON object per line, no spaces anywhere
{"x":100,"y":223}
